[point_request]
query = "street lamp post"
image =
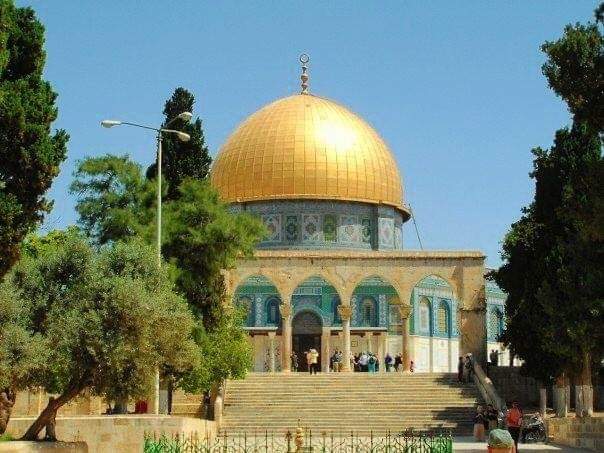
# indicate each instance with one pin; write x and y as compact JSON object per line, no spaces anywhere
{"x":186,"y":117}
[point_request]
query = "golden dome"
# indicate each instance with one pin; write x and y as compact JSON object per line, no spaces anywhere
{"x":307,"y":147}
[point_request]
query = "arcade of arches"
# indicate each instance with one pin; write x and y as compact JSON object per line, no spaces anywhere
{"x":429,"y":306}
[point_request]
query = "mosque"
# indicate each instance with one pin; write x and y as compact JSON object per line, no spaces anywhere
{"x":332,"y":272}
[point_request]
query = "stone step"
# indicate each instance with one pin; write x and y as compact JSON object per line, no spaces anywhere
{"x":344,"y":402}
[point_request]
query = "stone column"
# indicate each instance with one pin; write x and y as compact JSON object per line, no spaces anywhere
{"x":325,"y":349}
{"x":271,"y":351}
{"x":345,"y":312}
{"x":286,"y":337}
{"x":382,"y":351}
{"x":405,"y":311}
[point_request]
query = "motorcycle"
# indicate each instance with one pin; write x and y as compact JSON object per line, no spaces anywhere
{"x":533,"y":429}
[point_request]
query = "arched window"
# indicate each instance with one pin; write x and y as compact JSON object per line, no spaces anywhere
{"x":335,"y":303}
{"x":424,"y":316}
{"x":442,"y":318}
{"x":368,"y":311}
{"x":272,"y":312}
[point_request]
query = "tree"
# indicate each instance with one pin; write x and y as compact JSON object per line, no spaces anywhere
{"x":202,"y":239}
{"x":29,"y":152}
{"x":575,"y":71}
{"x":553,"y":256}
{"x":226,"y":350}
{"x":107,"y":319}
{"x":114,"y":200}
{"x":21,"y":351}
{"x":180,"y":159}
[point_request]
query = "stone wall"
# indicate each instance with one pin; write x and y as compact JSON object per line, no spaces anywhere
{"x":32,"y":403}
{"x":118,"y":433}
{"x":511,"y":386}
{"x":43,"y":447}
{"x":577,"y":432}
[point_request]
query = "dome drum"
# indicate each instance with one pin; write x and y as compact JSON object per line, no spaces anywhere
{"x":321,"y":224}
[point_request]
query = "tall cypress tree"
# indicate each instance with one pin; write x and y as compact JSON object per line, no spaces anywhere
{"x":180,"y":159}
{"x":553,"y":256}
{"x":30,"y":154}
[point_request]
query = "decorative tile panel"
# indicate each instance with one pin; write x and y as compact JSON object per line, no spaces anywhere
{"x":382,"y":310}
{"x":398,"y":237}
{"x":292,"y":228}
{"x":311,"y":228}
{"x":354,"y":321}
{"x":386,"y":232}
{"x":366,"y":230}
{"x":348,"y":232}
{"x":273,"y":225}
{"x":259,"y":318}
{"x":330,"y":228}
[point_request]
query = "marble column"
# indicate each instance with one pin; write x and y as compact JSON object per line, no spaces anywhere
{"x":345,"y":312}
{"x":325,"y":349}
{"x":271,"y":351}
{"x":286,"y":337}
{"x":405,"y":311}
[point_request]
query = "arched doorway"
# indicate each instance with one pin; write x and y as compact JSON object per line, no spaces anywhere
{"x":307,"y":327}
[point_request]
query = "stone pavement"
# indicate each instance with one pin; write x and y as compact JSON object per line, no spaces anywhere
{"x":468,"y":444}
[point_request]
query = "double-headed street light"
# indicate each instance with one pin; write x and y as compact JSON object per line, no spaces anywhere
{"x":186,"y":117}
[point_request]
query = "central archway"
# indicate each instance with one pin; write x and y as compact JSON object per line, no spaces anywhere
{"x":307,"y":327}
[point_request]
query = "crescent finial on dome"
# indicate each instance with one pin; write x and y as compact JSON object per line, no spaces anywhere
{"x":304,"y":59}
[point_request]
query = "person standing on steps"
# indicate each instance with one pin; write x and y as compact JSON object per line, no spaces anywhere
{"x":398,"y":362}
{"x":388,"y":362}
{"x":479,"y":425}
{"x":371,"y":363}
{"x":313,"y":361}
{"x":363,"y":362}
{"x":294,"y":359}
{"x":469,"y":367}
{"x":460,"y":367}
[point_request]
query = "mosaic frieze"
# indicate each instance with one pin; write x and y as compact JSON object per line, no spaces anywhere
{"x":273,"y":226}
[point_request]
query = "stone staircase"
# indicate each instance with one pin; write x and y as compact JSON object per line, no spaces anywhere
{"x":341,"y":403}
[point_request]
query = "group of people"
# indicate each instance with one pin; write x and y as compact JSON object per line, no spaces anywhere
{"x":486,"y":419}
{"x":362,"y":362}
{"x":465,"y":368}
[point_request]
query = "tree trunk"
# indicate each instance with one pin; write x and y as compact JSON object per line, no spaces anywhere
{"x":7,"y":401}
{"x":542,"y":401}
{"x":584,"y":406}
{"x":48,"y":415}
{"x":560,"y":396}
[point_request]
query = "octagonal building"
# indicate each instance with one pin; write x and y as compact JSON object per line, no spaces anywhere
{"x":332,"y":273}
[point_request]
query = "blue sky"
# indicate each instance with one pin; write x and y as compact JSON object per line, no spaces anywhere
{"x":455,"y":88}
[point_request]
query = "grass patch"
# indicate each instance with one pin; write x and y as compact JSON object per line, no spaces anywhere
{"x":6,"y":437}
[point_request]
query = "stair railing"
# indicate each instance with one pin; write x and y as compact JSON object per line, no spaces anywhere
{"x":487,"y":389}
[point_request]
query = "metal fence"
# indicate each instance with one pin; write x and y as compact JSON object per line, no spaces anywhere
{"x":303,"y":441}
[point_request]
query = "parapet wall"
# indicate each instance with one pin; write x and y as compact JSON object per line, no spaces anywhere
{"x":585,"y":432}
{"x":511,"y":385}
{"x":119,"y":433}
